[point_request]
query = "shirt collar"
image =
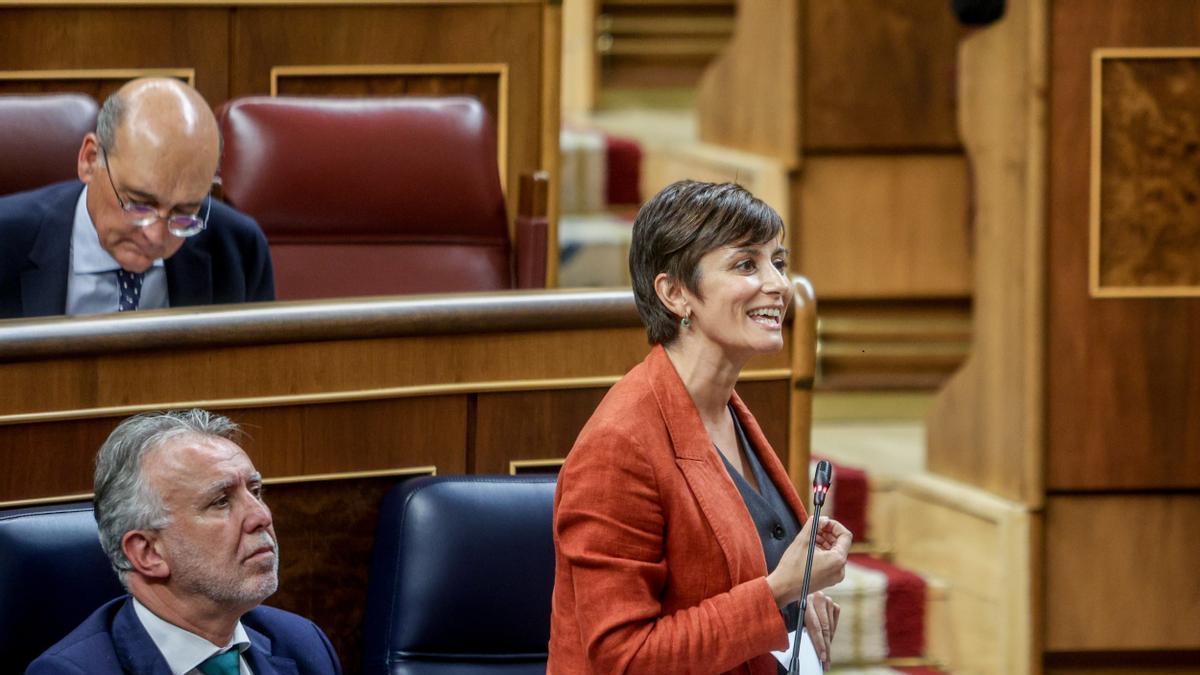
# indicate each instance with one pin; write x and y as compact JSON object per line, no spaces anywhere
{"x":183,"y":650}
{"x":87,"y":255}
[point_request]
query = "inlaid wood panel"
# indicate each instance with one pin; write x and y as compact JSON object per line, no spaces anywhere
{"x":1145,"y":201}
{"x":1123,"y":383}
{"x":67,"y":38}
{"x":878,"y":74}
{"x":1105,"y":553}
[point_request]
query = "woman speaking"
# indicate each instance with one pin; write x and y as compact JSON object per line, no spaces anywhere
{"x":677,"y":532}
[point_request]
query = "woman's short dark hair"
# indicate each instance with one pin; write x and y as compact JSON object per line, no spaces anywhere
{"x":676,"y":228}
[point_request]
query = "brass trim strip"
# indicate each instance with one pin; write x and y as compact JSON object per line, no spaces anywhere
{"x":429,"y":470}
{"x":40,"y":501}
{"x":500,"y":70}
{"x":256,"y":3}
{"x":515,"y":464}
{"x":187,"y":74}
{"x":346,"y":396}
{"x":1095,"y":290}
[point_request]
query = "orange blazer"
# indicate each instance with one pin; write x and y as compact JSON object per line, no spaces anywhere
{"x":659,"y":568}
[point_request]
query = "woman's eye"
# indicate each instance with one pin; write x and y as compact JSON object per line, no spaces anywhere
{"x":780,"y":264}
{"x":745,"y":266}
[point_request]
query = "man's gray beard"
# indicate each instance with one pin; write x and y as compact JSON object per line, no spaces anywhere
{"x":194,"y":576}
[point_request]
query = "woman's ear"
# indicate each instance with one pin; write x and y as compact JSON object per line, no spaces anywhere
{"x":671,"y":294}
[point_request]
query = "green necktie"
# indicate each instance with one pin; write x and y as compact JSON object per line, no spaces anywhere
{"x":221,"y":664}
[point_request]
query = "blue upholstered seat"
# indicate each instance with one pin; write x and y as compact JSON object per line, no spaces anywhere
{"x":461,"y":577}
{"x":53,"y":574}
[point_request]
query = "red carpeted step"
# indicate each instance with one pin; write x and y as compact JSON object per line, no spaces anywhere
{"x":849,"y":495}
{"x":905,"y":607}
{"x":624,"y":171}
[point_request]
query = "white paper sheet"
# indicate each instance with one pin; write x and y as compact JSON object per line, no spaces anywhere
{"x":808,"y":661}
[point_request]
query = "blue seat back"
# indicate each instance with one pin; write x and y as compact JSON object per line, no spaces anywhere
{"x":53,"y":574}
{"x":461,"y":577}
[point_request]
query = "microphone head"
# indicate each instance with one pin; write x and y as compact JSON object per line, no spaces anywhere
{"x":824,"y":474}
{"x":821,"y":481}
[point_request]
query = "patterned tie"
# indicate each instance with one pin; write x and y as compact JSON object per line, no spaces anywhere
{"x":221,"y":664}
{"x":130,"y":287}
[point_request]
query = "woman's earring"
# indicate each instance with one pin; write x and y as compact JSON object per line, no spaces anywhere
{"x":685,"y":322}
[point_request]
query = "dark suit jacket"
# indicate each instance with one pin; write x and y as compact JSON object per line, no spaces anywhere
{"x":227,"y":262}
{"x":112,"y":641}
{"x":658,"y":565}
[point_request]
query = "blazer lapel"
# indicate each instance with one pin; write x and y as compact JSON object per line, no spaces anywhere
{"x":44,"y":284}
{"x":262,"y":661}
{"x":189,"y":276}
{"x":136,"y":651}
{"x":704,"y":472}
{"x":769,"y":460}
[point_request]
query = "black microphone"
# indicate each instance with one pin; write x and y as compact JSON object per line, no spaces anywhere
{"x":821,"y":482}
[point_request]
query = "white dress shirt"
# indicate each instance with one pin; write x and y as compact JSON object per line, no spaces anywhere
{"x":92,"y":282}
{"x":185,"y":651}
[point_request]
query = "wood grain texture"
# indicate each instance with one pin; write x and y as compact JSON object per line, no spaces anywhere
{"x":912,"y":209}
{"x":748,"y":98}
{"x":120,"y":37}
{"x":530,"y":425}
{"x":1124,"y":383}
{"x":878,"y":74}
{"x":1134,"y":551}
{"x":326,"y":532}
{"x":986,"y":427}
{"x":1149,"y":200}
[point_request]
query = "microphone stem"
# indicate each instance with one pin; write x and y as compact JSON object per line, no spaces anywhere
{"x":794,"y":666}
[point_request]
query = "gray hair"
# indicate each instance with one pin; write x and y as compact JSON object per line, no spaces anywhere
{"x":124,"y":500}
{"x":109,"y":120}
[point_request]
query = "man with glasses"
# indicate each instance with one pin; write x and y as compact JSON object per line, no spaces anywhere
{"x":140,"y":230}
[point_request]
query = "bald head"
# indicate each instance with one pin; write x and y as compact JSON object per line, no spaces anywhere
{"x":164,"y":118}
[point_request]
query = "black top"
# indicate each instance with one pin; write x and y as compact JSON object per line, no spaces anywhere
{"x":776,"y":524}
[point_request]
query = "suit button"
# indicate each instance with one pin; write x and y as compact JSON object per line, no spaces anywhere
{"x":778,"y":531}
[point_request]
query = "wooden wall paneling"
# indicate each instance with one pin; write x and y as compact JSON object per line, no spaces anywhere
{"x":1121,"y":572}
{"x":768,"y":400}
{"x":551,"y":123}
{"x":531,"y":425}
{"x":749,"y":97}
{"x":911,"y":208}
{"x":119,"y":38}
{"x":878,"y":74}
{"x":986,"y":427}
{"x":298,"y":440}
{"x":97,"y":82}
{"x":264,"y":38}
{"x":1124,"y":384}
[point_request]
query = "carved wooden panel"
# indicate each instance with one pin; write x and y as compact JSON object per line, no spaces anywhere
{"x":99,"y":83}
{"x":1145,"y":191}
{"x":530,"y":425}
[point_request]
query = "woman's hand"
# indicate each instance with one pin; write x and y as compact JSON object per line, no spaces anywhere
{"x":829,"y":561}
{"x":821,"y":619}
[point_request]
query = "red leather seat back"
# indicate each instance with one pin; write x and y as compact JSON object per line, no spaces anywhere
{"x":40,"y":136}
{"x":370,"y":196}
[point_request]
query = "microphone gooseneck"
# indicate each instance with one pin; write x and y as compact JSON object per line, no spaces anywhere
{"x":821,"y":482}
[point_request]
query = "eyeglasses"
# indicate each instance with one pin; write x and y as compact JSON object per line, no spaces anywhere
{"x":145,"y":215}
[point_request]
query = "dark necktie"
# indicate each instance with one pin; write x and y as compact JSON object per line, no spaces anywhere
{"x":221,"y":664}
{"x":129,"y":285}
